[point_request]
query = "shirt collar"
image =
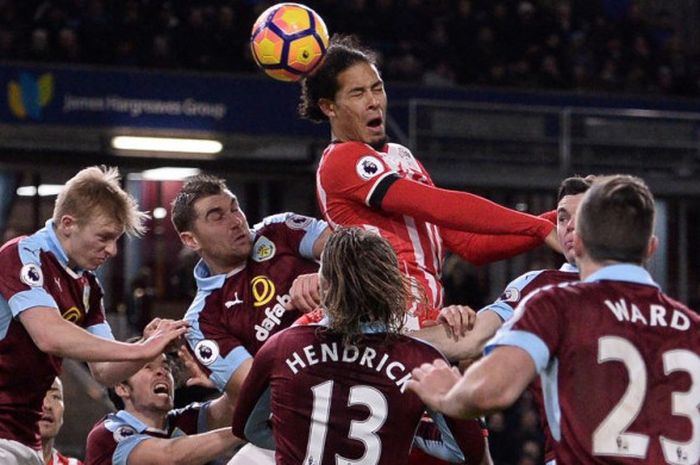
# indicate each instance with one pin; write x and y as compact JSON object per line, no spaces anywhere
{"x":137,"y":424}
{"x":132,"y":421}
{"x":622,"y":272}
{"x":54,"y":244}
{"x":208,"y":282}
{"x":367,"y":328}
{"x":569,"y":268}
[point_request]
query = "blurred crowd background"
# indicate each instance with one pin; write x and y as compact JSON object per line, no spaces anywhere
{"x":618,"y":46}
{"x":596,"y":45}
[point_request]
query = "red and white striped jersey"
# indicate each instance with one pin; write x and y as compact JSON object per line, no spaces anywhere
{"x":59,"y":459}
{"x":350,"y":191}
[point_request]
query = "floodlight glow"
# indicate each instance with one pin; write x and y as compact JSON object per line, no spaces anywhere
{"x":166,"y":144}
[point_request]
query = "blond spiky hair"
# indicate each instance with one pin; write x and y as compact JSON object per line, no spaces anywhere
{"x":97,"y":191}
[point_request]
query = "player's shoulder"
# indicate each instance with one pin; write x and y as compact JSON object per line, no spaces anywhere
{"x":421,"y":347}
{"x":283,"y":221}
{"x":557,"y":292}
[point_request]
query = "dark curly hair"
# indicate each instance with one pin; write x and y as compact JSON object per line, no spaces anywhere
{"x":343,"y":52}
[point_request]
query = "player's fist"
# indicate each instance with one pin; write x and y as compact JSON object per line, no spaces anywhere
{"x":304,"y":293}
{"x":457,"y":320}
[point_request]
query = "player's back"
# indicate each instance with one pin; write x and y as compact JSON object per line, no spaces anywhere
{"x":625,"y":373}
{"x":349,"y":402}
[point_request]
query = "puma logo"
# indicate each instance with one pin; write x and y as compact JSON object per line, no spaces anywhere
{"x":231,"y":303}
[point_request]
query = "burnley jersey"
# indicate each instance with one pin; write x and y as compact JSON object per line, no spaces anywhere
{"x":619,"y":365}
{"x":36,"y":274}
{"x":112,"y":439}
{"x":233,"y":314}
{"x":334,"y":403}
{"x":515,"y":292}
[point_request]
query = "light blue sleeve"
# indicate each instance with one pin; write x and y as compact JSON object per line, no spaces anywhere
{"x":34,"y":297}
{"x":257,"y":428}
{"x":505,"y":305}
{"x":529,"y":342}
{"x":445,"y":449}
{"x":126,"y":446}
{"x":313,"y":232}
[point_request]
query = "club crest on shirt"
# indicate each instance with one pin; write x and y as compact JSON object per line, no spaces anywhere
{"x":511,"y":294}
{"x":72,"y":314}
{"x":368,"y":167}
{"x":263,"y":290}
{"x":123,"y":432}
{"x":263,"y":249}
{"x":297,"y":221}
{"x":31,"y":275}
{"x":206,"y":351}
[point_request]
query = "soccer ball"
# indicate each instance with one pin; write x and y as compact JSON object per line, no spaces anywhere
{"x":288,"y":41}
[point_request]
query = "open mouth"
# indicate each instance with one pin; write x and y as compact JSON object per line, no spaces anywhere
{"x":46,"y":418}
{"x":375,"y":123}
{"x":161,"y":389}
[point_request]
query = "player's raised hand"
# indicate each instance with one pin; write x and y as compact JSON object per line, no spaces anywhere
{"x":432,"y":382}
{"x":195,"y":375}
{"x":305,"y":293}
{"x":457,"y":320}
{"x":165,"y":333}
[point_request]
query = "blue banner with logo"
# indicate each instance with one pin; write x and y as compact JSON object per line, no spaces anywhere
{"x":95,"y":98}
{"x":255,"y":105}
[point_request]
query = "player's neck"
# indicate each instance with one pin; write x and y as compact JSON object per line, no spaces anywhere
{"x":47,"y":449}
{"x":152,"y":418}
{"x":217,"y":267}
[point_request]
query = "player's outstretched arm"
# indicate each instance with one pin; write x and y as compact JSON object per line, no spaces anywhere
{"x":491,"y":384}
{"x":456,"y":210}
{"x":469,"y":345}
{"x":196,"y":449}
{"x":56,"y":336}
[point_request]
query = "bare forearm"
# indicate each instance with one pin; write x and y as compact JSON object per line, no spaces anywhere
{"x":111,"y":373}
{"x":468,"y":347}
{"x":56,"y":336}
{"x":220,"y":411}
{"x":196,"y":449}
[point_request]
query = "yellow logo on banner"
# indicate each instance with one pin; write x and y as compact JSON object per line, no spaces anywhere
{"x":263,"y":290}
{"x":72,"y":314}
{"x":27,"y":97}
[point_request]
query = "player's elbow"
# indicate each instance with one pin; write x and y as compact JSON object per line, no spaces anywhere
{"x":47,"y":342}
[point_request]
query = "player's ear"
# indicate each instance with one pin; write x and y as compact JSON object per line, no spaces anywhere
{"x":189,"y":240}
{"x":652,"y":246}
{"x":65,"y":224}
{"x":579,"y":248}
{"x":121,"y":390}
{"x":327,"y":107}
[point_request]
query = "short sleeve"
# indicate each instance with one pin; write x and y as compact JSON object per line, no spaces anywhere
{"x":353,"y":171}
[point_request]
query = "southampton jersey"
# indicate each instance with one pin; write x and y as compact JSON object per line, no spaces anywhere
{"x":619,"y":365}
{"x":234,"y":314}
{"x":113,"y":438}
{"x":515,"y":293}
{"x":59,"y":459}
{"x":354,"y":187}
{"x":333,"y":403}
{"x":35,"y":273}
{"x":346,"y":180}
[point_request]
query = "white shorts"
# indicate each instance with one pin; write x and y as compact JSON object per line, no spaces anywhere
{"x":16,"y":453}
{"x":253,"y":455}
